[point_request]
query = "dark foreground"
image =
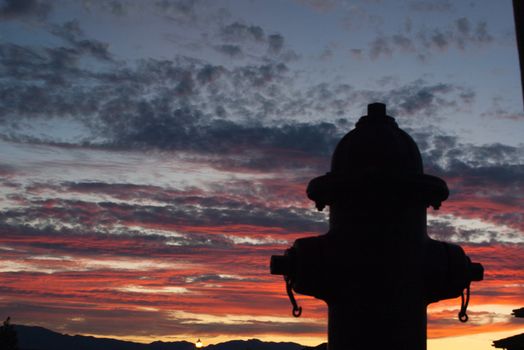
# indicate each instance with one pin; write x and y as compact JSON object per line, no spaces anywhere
{"x":39,"y":338}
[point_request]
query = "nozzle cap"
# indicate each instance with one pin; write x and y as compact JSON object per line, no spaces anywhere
{"x":280,"y":265}
{"x":476,"y":272}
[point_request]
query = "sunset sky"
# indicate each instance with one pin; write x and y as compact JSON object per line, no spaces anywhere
{"x":155,"y":154}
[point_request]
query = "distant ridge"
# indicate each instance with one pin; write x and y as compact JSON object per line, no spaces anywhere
{"x":254,"y":344}
{"x":39,"y":338}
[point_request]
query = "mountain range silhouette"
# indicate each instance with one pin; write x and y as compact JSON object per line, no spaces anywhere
{"x":39,"y":338}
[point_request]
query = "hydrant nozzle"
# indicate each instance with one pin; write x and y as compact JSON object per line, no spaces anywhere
{"x":280,"y":265}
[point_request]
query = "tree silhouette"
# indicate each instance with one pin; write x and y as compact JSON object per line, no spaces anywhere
{"x":8,"y":338}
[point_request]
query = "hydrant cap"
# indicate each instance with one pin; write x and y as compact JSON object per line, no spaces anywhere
{"x":377,"y":156}
{"x":376,"y":146}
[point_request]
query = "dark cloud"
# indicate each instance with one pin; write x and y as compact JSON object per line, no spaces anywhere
{"x":260,"y":75}
{"x":275,"y":42}
{"x":180,"y":210}
{"x":430,"y":6}
{"x":210,"y":73}
{"x":447,"y":154}
{"x":92,"y":241}
{"x":233,"y":51}
{"x":36,"y":98}
{"x":319,"y":5}
{"x":166,"y":123}
{"x":191,"y":105}
{"x":196,"y":106}
{"x":190,"y":211}
{"x":7,"y":171}
{"x":358,"y":16}
{"x":470,"y":169}
{"x":485,"y":181}
{"x":417,"y":98}
{"x":461,"y":34}
{"x":357,"y":53}
{"x":420,"y":98}
{"x":449,"y":231}
{"x":11,"y":9}
{"x":218,"y":278}
{"x":178,"y":9}
{"x":116,"y":7}
{"x":502,"y":109}
{"x":237,"y":32}
{"x":39,"y":77}
{"x":403,"y":42}
{"x":463,"y":26}
{"x":183,"y":130}
{"x":447,"y":318}
{"x":380,"y":46}
{"x":115,"y":107}
{"x":73,"y":35}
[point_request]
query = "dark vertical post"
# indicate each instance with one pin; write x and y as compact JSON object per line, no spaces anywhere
{"x":518,"y":14}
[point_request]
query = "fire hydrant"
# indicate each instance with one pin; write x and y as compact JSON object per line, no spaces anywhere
{"x":376,"y":268}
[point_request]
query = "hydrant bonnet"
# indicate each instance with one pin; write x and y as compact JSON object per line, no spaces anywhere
{"x":377,"y":156}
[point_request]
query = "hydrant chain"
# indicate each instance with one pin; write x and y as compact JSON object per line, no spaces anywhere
{"x":463,"y":316}
{"x":297,"y":310}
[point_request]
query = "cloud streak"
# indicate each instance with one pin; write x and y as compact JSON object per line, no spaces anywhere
{"x":15,"y":9}
{"x":462,"y":34}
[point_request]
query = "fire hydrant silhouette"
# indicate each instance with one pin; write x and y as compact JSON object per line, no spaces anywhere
{"x":377,"y":268}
